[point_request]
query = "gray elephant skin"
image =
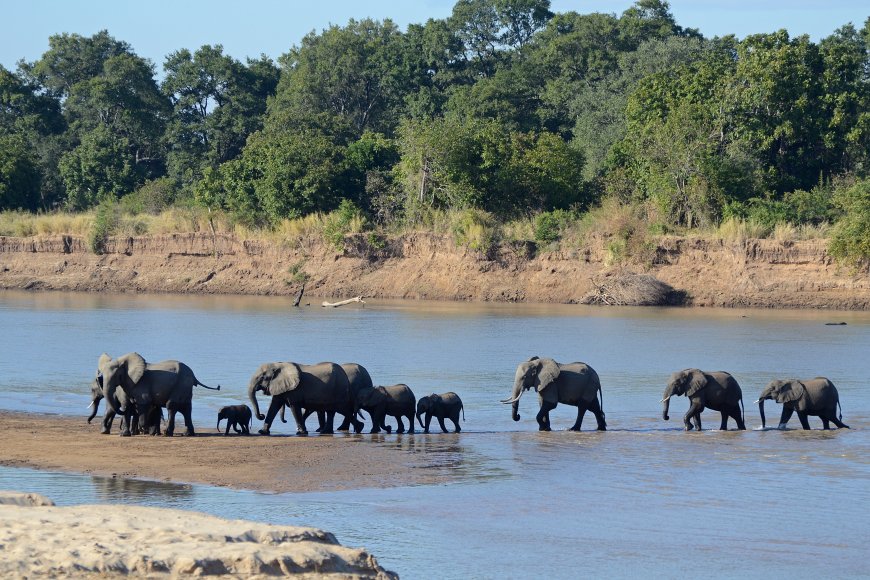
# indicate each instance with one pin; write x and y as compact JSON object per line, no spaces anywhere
{"x":395,"y":400}
{"x":167,"y":384}
{"x":575,"y":384}
{"x":130,"y":418}
{"x":358,"y":378}
{"x":443,"y":406}
{"x":817,"y":397}
{"x":718,"y":391}
{"x":238,"y":417}
{"x":319,"y":387}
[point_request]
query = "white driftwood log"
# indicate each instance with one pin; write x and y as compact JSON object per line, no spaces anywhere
{"x":343,"y":302}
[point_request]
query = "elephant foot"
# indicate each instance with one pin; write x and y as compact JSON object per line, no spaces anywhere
{"x":327,"y":432}
{"x":105,"y":432}
{"x":543,"y":428}
{"x":574,"y":428}
{"x":389,"y":429}
{"x":126,"y":434}
{"x":300,"y":432}
{"x":688,"y":427}
{"x":603,"y":428}
{"x":426,"y":431}
{"x":411,"y":431}
{"x":168,"y":434}
{"x":400,"y":430}
{"x":263,"y":432}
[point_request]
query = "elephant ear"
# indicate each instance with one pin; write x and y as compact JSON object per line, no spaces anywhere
{"x":286,"y":380}
{"x":104,"y":360}
{"x":135,"y":366}
{"x":548,"y":371}
{"x":790,"y":392}
{"x":697,"y":381}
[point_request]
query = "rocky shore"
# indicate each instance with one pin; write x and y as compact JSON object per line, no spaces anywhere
{"x":752,"y":273}
{"x":38,"y":539}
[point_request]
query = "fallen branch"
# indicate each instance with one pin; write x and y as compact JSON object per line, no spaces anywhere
{"x":299,"y":297}
{"x":343,"y":302}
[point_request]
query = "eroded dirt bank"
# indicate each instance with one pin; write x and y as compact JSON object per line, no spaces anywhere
{"x":753,"y":273}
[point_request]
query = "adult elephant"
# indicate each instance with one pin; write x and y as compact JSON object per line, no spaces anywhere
{"x":574,"y":384}
{"x":817,"y":397}
{"x":320,"y":387}
{"x":358,"y":378}
{"x":166,"y":384}
{"x":129,"y":420}
{"x":718,"y":391}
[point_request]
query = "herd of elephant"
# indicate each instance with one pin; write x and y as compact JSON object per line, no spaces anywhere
{"x":138,"y":391}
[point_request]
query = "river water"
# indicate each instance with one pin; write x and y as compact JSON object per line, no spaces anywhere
{"x":644,"y":498}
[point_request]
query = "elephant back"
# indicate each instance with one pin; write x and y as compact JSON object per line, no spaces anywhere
{"x":578,"y":380}
{"x":357,"y":376}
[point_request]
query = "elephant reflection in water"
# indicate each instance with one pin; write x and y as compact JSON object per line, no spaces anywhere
{"x":115,"y":489}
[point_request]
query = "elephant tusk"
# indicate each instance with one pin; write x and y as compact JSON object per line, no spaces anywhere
{"x":89,"y":406}
{"x":509,"y":401}
{"x":758,"y":401}
{"x":665,"y":399}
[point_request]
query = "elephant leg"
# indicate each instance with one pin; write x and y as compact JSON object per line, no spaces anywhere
{"x":581,"y":411}
{"x":595,"y":409}
{"x":401,"y":427}
{"x":186,"y":412}
{"x":227,"y":432}
{"x":170,"y":424}
{"x":738,"y":418}
{"x":378,"y":422}
{"x":787,"y":411}
{"x":543,"y":416}
{"x":687,"y":418}
{"x":838,"y":423}
{"x":803,"y":418}
{"x":723,"y":426}
{"x":455,"y":419}
{"x":411,"y":422}
{"x":321,"y":421}
{"x":327,"y":428}
{"x":428,"y":421}
{"x":108,"y":419}
{"x":825,"y":423}
{"x":698,"y":419}
{"x":345,"y":424}
{"x":274,"y":407}
{"x":441,"y":423}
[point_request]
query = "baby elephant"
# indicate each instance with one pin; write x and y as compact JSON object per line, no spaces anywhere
{"x":444,"y":406}
{"x":817,"y":397}
{"x":396,"y":401}
{"x":236,"y":416}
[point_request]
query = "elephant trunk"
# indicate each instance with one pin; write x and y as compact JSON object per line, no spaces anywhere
{"x":420,"y":419}
{"x":666,"y":401}
{"x":96,"y":405}
{"x":111,"y":401}
{"x":219,"y":424}
{"x":252,"y":394}
{"x":761,"y":412}
{"x":516,"y":393}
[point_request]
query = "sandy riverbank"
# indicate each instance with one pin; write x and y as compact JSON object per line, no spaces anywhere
{"x":749,"y":273}
{"x":115,"y":541}
{"x":277,"y":463}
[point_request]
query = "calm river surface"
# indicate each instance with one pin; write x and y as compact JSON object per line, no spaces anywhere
{"x":643,"y":499}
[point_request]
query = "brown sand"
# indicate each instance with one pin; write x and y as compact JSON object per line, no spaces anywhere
{"x":280,"y":463}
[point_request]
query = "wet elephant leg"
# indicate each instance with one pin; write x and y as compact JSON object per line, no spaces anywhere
{"x":838,"y":423}
{"x":401,"y":426}
{"x":787,"y":411}
{"x":428,"y":421}
{"x":411,"y":421}
{"x":802,"y":417}
{"x":825,"y":423}
{"x":543,"y":416}
{"x":275,"y":406}
{"x":581,"y":411}
{"x":595,"y":408}
{"x":456,"y":427}
{"x":723,"y":426}
{"x":441,"y":423}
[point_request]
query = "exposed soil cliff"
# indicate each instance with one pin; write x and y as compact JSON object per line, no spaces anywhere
{"x":763,"y":273}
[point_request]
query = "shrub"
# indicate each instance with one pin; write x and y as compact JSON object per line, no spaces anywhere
{"x":474,"y":229}
{"x":549,"y":226}
{"x":347,"y":219}
{"x":105,"y":222}
{"x":850,"y":241}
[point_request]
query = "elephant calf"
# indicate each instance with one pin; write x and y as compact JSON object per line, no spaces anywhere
{"x":717,"y":390}
{"x":238,"y":417}
{"x":817,"y":397}
{"x":397,"y":401}
{"x":444,"y":406}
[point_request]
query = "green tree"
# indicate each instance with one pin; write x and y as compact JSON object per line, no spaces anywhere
{"x":357,"y":76}
{"x":100,"y":167}
{"x":217,"y":102}
{"x":19,"y":174}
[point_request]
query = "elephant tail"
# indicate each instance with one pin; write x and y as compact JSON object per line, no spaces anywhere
{"x":462,"y":408}
{"x":217,"y":388}
{"x":839,"y":406}
{"x":742,"y":411}
{"x":601,"y":397}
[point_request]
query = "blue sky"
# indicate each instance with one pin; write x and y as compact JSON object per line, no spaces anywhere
{"x":158,"y":27}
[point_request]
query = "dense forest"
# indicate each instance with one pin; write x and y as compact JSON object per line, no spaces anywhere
{"x":504,"y":109}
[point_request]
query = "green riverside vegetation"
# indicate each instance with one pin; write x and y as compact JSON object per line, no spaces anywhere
{"x":503,"y":122}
